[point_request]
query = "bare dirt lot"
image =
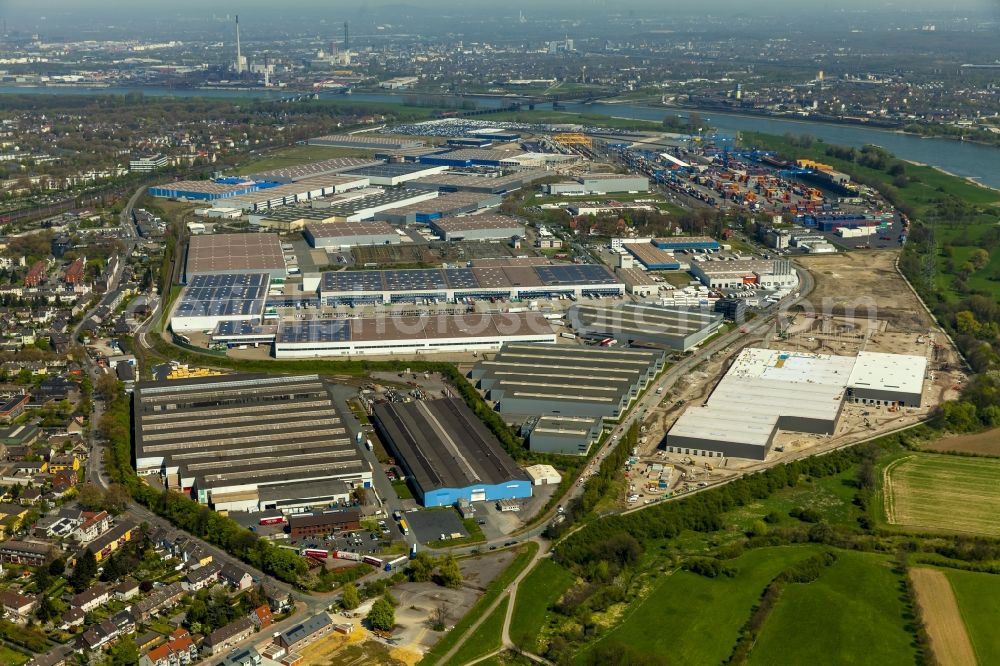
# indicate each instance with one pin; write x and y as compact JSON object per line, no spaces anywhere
{"x":987,"y":443}
{"x":949,"y":638}
{"x":860,"y":281}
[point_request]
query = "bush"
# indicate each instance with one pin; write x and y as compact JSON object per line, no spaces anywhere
{"x":806,"y":515}
{"x":710,"y":567}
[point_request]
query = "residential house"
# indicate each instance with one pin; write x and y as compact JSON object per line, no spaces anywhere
{"x":91,"y":598}
{"x":109,"y":542}
{"x":190,"y":552}
{"x":277,"y":599}
{"x":58,"y":656}
{"x":17,"y":607}
{"x":57,"y":526}
{"x":63,"y":462}
{"x":30,"y":496}
{"x":64,"y":481}
{"x":261,"y":617}
{"x":31,"y":467}
{"x":236,"y":577}
{"x":73,"y":617}
{"x":305,"y":633}
{"x":157,"y":602}
{"x":10,"y":517}
{"x":180,"y":650}
{"x":225,"y":637}
{"x":200,"y":578}
{"x":93,"y":526}
{"x":24,"y":552}
{"x":53,"y":389}
{"x":125,"y":590}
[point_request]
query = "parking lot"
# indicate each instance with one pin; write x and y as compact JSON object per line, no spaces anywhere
{"x":431,"y":525}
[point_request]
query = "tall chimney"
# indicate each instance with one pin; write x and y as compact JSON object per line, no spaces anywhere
{"x":239,"y":55}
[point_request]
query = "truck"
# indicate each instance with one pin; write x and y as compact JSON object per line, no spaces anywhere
{"x":359,"y":437}
{"x":569,"y":336}
{"x":413,"y":551}
{"x":316,"y":553}
{"x":394,"y":564}
{"x":369,"y":445}
{"x":403,"y":527}
{"x":274,"y":520}
{"x":374,"y":561}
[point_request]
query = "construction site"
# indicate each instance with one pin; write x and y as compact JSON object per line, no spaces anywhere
{"x":859,"y":304}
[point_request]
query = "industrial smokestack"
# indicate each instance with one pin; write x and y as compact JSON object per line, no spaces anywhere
{"x":239,"y":55}
{"x":347,"y":44}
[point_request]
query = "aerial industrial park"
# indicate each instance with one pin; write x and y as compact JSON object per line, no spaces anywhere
{"x":447,"y":340}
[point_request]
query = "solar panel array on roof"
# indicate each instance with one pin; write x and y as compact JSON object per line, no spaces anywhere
{"x":223,"y":295}
{"x":461,"y":278}
{"x":315,"y":330}
{"x":415,"y":280}
{"x":241,"y":327}
{"x":353,"y":281}
{"x":574,"y":274}
{"x":494,"y":277}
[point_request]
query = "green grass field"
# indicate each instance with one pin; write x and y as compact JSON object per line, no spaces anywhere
{"x":487,"y":637}
{"x":978,"y":597}
{"x":696,"y":620}
{"x":941,"y":492}
{"x":851,"y":615}
{"x":832,"y":497}
{"x":10,"y":657}
{"x":540,"y":589}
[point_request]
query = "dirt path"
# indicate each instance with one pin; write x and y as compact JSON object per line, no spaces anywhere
{"x":949,"y":639}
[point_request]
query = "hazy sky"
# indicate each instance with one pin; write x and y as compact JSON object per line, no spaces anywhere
{"x":58,"y":18}
{"x":109,"y":8}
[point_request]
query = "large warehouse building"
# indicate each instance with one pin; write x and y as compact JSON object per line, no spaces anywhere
{"x":365,"y":208}
{"x":396,"y":173}
{"x":491,"y":184}
{"x":209,"y":300}
{"x":687,"y":243}
{"x":529,"y":380}
{"x":448,"y":284}
{"x":350,"y":234}
{"x":364,"y":140}
{"x":672,"y":328}
{"x":767,"y":390}
{"x":601,"y":183}
{"x":204,"y":190}
{"x":296,"y":172}
{"x":565,"y":435}
{"x":448,"y":454}
{"x":721,"y":274}
{"x":408,"y":335}
{"x":247,"y":442}
{"x":477,"y":227}
{"x":652,"y":257}
{"x":422,"y":212}
{"x":216,"y":254}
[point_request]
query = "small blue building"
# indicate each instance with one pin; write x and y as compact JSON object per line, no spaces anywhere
{"x":448,"y":454}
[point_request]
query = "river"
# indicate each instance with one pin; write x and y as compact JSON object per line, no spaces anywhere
{"x":968,"y":160}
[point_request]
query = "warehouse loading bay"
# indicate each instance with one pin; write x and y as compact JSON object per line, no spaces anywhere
{"x":897,"y":324}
